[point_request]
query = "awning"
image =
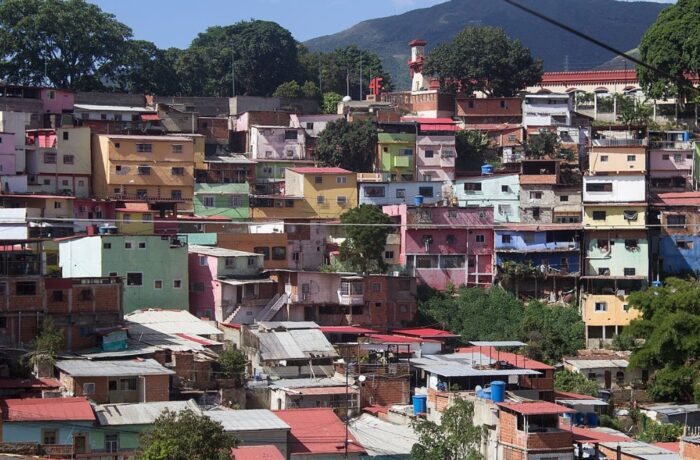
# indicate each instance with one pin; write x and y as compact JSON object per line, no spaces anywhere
{"x":581,"y":402}
{"x":323,"y":391}
{"x":150,"y":117}
{"x":247,"y":281}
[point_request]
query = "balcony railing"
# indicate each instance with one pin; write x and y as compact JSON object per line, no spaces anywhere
{"x":668,"y":145}
{"x":351,"y":299}
{"x":618,"y":142}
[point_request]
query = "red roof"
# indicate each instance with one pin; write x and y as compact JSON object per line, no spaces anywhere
{"x":439,"y":127}
{"x":313,"y":170}
{"x":316,"y":431}
{"x":511,"y":358}
{"x":576,"y":396}
{"x":426,"y":333}
{"x":193,"y":338}
{"x":51,"y":409}
{"x":491,"y":126}
{"x":231,"y":325}
{"x":150,"y":117}
{"x":591,"y":76}
{"x":678,"y":199}
{"x":256,"y":453}
{"x":593,"y":436}
{"x":346,"y":330}
{"x":40,"y":383}
{"x":388,"y":338}
{"x":536,"y":408}
{"x":137,"y":206}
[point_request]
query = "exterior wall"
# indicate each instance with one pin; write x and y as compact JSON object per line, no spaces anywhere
{"x":271,"y":143}
{"x":7,"y":154}
{"x":500,"y":192}
{"x":400,"y":192}
{"x":392,"y":158}
{"x":229,"y":200}
{"x":158,"y":261}
{"x":563,"y":254}
{"x":134,"y":223}
{"x":306,"y":246}
{"x":116,"y":167}
{"x":150,"y":388}
{"x":614,"y":217}
{"x":679,"y":254}
{"x":529,"y":204}
{"x":609,"y":250}
{"x":330,"y":189}
{"x":671,"y":164}
{"x":57,"y":100}
{"x":624,"y":159}
{"x":489,"y":109}
{"x":18,"y":123}
{"x":538,"y":111}
{"x":268,"y":171}
{"x":127,"y":438}
{"x":255,"y":242}
{"x":31,"y":432}
{"x":629,"y":188}
{"x":441,"y":165}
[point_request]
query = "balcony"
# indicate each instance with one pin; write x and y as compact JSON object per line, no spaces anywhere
{"x":671,"y":145}
{"x":401,"y":161}
{"x":619,"y":142}
{"x":351,"y":291}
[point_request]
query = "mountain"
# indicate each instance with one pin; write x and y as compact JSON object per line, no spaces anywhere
{"x":619,"y":62}
{"x":620,"y":24}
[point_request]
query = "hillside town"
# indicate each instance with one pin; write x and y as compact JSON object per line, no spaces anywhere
{"x":352,"y":278}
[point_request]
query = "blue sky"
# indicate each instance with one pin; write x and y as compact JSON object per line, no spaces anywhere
{"x":176,"y":22}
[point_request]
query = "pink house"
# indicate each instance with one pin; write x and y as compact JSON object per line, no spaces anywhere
{"x":57,"y":100}
{"x":671,"y":167}
{"x":7,"y":154}
{"x":444,"y":246}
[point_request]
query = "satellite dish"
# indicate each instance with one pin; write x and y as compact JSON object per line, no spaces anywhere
{"x":347,"y":99}
{"x":362,"y":378}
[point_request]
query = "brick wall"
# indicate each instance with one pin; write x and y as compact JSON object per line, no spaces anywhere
{"x":690,"y":449}
{"x":157,"y":388}
{"x":385,"y":391}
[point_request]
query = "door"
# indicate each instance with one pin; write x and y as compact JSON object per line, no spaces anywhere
{"x":79,"y":444}
{"x":239,"y":294}
{"x":608,"y":379}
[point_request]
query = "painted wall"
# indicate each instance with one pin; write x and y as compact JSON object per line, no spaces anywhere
{"x":625,"y":160}
{"x":435,"y":158}
{"x":57,"y":100}
{"x":7,"y":154}
{"x":229,"y":200}
{"x":499,"y":192}
{"x":383,"y":193}
{"x":679,"y":254}
{"x":670,"y":160}
{"x":271,"y":143}
{"x":396,"y":154}
{"x":127,"y":435}
{"x":31,"y":431}
{"x":546,"y":111}
{"x":614,"y":217}
{"x":17,"y":123}
{"x":611,"y":251}
{"x":624,"y":189}
{"x":135,"y":223}
{"x":332,"y":187}
{"x":559,"y":250}
{"x":618,"y":312}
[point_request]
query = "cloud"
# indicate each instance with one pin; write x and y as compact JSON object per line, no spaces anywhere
{"x":403,"y":3}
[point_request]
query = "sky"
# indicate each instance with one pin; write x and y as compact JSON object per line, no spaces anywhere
{"x":176,"y":22}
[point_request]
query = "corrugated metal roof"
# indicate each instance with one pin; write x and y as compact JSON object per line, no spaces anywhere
{"x":112,"y":108}
{"x":294,"y":344}
{"x":141,"y":413}
{"x":51,"y":409}
{"x":642,"y":450}
{"x":535,"y":408}
{"x":307,"y":382}
{"x":264,"y":452}
{"x":220,"y":252}
{"x":382,"y":438}
{"x":287,"y":324}
{"x":85,"y":368}
{"x":465,"y":365}
{"x":247,"y":420}
{"x":168,"y":322}
{"x":497,"y":343}
{"x":597,"y":363}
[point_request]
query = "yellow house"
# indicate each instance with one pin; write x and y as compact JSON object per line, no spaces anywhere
{"x":617,"y":160}
{"x":604,"y":216}
{"x":135,"y":219}
{"x":143,"y":167}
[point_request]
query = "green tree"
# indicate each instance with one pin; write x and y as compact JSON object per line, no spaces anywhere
{"x":233,"y":364}
{"x":288,"y":89}
{"x":483,"y":59}
{"x":263,"y":53}
{"x":364,"y":246}
{"x":147,"y":69}
{"x":474,"y":150}
{"x":574,"y":382}
{"x":552,"y":332}
{"x":185,"y":435}
{"x":672,"y":44}
{"x":456,"y":438}
{"x":348,"y":145}
{"x":62,"y":43}
{"x":47,"y":345}
{"x":542,"y":145}
{"x":309,"y":90}
{"x":669,"y":326}
{"x":330,"y":102}
{"x":632,"y":111}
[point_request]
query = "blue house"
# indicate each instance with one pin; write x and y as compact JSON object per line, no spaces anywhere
{"x":391,"y":193}
{"x":678,"y":242}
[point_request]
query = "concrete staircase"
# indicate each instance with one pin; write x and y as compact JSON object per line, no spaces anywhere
{"x":273,"y":306}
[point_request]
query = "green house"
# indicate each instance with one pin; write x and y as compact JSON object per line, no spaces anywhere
{"x":226,"y":200}
{"x":397,"y":155}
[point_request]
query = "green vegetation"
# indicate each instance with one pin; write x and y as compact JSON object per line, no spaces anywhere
{"x":185,"y":436}
{"x":483,"y":59}
{"x":348,"y":145}
{"x":292,"y":90}
{"x":632,"y":111}
{"x":233,"y":365}
{"x":330,"y":102}
{"x":473,"y":150}
{"x":574,"y":382}
{"x":456,"y":438}
{"x":48,"y":343}
{"x":363,"y":249}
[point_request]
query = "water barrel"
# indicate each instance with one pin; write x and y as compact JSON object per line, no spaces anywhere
{"x":686,"y":136}
{"x":487,"y":169}
{"x":656,"y":284}
{"x":498,"y":391}
{"x":418,"y":200}
{"x":592,"y":419}
{"x":420,"y":404}
{"x":103,"y":230}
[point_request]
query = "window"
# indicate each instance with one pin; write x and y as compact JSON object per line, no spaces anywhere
{"x":3,"y":289}
{"x":631,"y":245}
{"x":504,"y":209}
{"x":144,"y":148}
{"x":665,"y":156}
{"x":406,"y":152}
{"x":208,"y":201}
{"x":144,"y":170}
{"x":603,"y":271}
{"x":68,"y":159}
{"x":429,"y":153}
{"x":630,"y":215}
{"x":129,"y":384}
{"x":376,"y":287}
{"x":57,"y":296}
{"x":472,"y":187}
{"x":178,"y":171}
{"x":505,"y":189}
{"x":599,"y":215}
{"x":506,"y":239}
{"x":142,"y":244}
{"x":480,"y":238}
{"x":279,"y":253}
{"x":177,"y":284}
{"x":389,"y":254}
{"x":603,"y":158}
{"x":64,"y":182}
{"x":599,"y":187}
{"x":676,"y":220}
{"x":88,"y":388}
{"x":631,"y":157}
{"x":537,"y":195}
{"x":400,"y":193}
{"x":451,"y":240}
{"x":320,"y":199}
{"x":536,"y":213}
{"x":141,"y":193}
{"x":341,"y":200}
{"x":134,"y":279}
{"x":85,"y":294}
{"x":203,"y":261}
{"x":111,"y":442}
{"x":49,"y":436}
{"x":106,"y":245}
{"x":287,"y":203}
{"x":113,"y":274}
{"x":177,"y":148}
{"x":630,"y":271}
{"x":81,"y":183}
{"x":677,"y":157}
{"x":265,"y":251}
{"x":601,"y":306}
{"x":49,"y":158}
{"x":176,"y":194}
{"x":681,"y":244}
{"x":237,"y":202}
{"x":341,"y":180}
{"x":602,"y":245}
{"x":318,"y":179}
{"x":251,"y":261}
{"x":158,"y":284}
{"x":375,"y":191}
{"x":290,"y":134}
{"x":25,"y":288}
{"x":563,"y":198}
{"x":128,"y":244}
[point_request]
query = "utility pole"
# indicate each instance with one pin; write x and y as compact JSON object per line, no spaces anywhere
{"x":360,"y":77}
{"x":233,"y":72}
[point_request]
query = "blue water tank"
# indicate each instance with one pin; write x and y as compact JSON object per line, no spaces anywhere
{"x":487,"y":169}
{"x":498,"y":391}
{"x":418,"y":200}
{"x":656,"y":284}
{"x":686,"y":136}
{"x":592,"y":419}
{"x":420,"y":404}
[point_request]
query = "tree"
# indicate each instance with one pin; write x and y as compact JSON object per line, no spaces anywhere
{"x":288,"y":89}
{"x":233,"y":365}
{"x":147,"y":69}
{"x":473,"y":150}
{"x":66,"y":44}
{"x":542,"y":145}
{"x":47,"y":345}
{"x":456,"y":438}
{"x":574,"y":382}
{"x":632,"y":111}
{"x":364,"y":246}
{"x":348,"y":145}
{"x":552,"y":332}
{"x":483,"y":59}
{"x":669,"y":329}
{"x":309,"y":90}
{"x":672,"y":45}
{"x":185,"y":436}
{"x":330,"y":102}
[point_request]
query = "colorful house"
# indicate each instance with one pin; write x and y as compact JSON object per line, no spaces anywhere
{"x":499,"y":191}
{"x":228,"y":200}
{"x":671,"y":157}
{"x":550,"y":192}
{"x":389,"y":193}
{"x":396,"y":151}
{"x":154,"y":267}
{"x":677,"y":241}
{"x":7,"y":154}
{"x":275,"y":149}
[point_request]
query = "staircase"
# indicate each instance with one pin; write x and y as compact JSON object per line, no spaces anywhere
{"x":272,"y":307}
{"x":230,"y":317}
